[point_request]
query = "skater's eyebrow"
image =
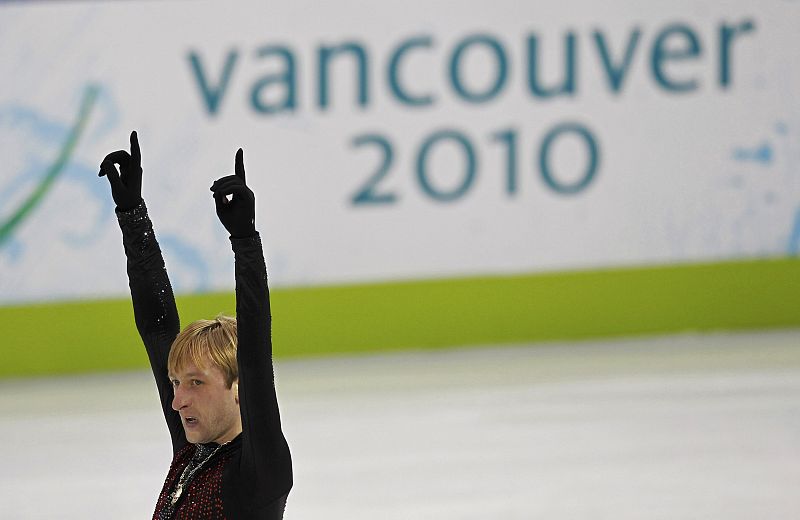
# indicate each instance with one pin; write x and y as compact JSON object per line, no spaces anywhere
{"x":190,"y":374}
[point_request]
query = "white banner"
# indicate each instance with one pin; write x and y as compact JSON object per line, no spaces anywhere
{"x":399,"y":140}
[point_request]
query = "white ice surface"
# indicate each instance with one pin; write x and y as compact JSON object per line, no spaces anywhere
{"x":681,"y":427}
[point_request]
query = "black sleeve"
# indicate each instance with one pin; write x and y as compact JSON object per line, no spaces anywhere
{"x":153,"y":306}
{"x":266,"y":461}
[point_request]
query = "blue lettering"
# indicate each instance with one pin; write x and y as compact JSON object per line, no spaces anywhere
{"x":501,"y":75}
{"x":394,"y":66}
{"x":326,"y":54}
{"x":567,"y":86}
{"x":287,"y":79}
{"x":616,"y":73}
{"x":544,"y":158}
{"x":213,"y":95}
{"x":662,"y":55}
{"x":726,"y":35}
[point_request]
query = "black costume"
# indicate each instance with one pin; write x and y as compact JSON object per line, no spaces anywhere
{"x":249,"y":477}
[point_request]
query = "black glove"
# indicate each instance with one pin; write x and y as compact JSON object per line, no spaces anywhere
{"x":126,"y":186}
{"x":238,"y":214}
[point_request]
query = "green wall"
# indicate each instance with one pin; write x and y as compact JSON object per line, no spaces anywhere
{"x":83,"y":336}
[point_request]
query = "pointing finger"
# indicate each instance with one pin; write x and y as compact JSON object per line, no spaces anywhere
{"x":136,"y":153}
{"x":239,"y":169}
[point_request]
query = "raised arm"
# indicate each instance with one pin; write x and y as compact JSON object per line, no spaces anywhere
{"x":153,"y":302}
{"x":265,"y":453}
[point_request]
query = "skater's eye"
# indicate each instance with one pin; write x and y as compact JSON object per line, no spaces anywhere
{"x":196,"y":382}
{"x":175,"y":382}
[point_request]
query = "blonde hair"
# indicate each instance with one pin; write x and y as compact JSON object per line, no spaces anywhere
{"x":203,"y":341}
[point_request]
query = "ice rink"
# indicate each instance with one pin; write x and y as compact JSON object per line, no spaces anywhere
{"x":679,"y":427}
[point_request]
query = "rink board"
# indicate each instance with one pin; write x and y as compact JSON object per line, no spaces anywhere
{"x":89,"y":336}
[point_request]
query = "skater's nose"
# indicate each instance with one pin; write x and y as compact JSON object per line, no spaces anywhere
{"x":181,"y":399}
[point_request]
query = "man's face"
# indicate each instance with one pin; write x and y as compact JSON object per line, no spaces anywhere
{"x":209,"y":410}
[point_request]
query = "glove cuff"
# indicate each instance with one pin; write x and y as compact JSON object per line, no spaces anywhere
{"x":251,"y":241}
{"x":132,"y":216}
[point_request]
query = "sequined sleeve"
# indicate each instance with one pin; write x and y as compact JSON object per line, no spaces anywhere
{"x":266,"y":461}
{"x":153,"y":305}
